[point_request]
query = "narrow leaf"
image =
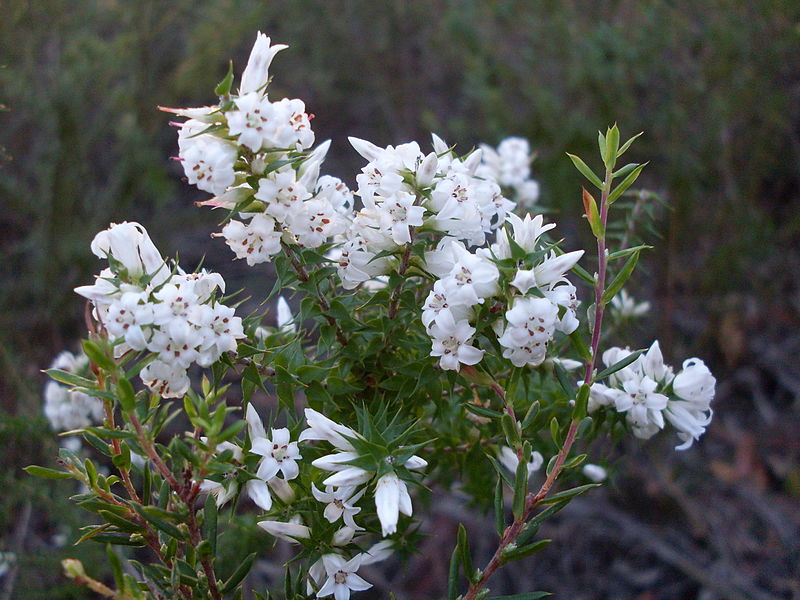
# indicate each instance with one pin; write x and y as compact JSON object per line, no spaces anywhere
{"x":569,"y":494}
{"x":463,"y":550}
{"x":622,"y":277}
{"x":452,"y":576}
{"x":586,"y":171}
{"x":625,"y":184}
{"x":46,"y":473}
{"x":499,"y":508}
{"x":70,"y":378}
{"x":520,"y":489}
{"x":619,"y":365}
{"x":627,"y":144}
{"x":240,"y":573}
{"x":518,"y":553}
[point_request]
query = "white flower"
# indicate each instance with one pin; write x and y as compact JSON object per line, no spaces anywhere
{"x":256,"y":74}
{"x":595,"y":473}
{"x":336,"y":192}
{"x":67,"y":409}
{"x":256,"y":241}
{"x":129,"y":244}
{"x":340,"y":504}
{"x":451,"y":341}
{"x":643,"y":405}
{"x":167,"y":380}
{"x":321,"y":427}
{"x":472,"y":278}
{"x":254,"y":120}
{"x":690,"y":413}
{"x":284,"y":319}
{"x":208,"y":163}
{"x":279,"y":454}
{"x":508,"y":458}
{"x":531,"y":323}
{"x":282,"y":193}
{"x":391,"y":499}
{"x":625,"y":307}
{"x":437,"y":301}
{"x":342,"y":577}
{"x":526,"y":233}
{"x":695,"y":383}
{"x":377,"y":552}
{"x":289,"y":531}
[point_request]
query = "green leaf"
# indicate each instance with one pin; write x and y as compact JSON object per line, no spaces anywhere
{"x":224,"y":87}
{"x":530,"y":415}
{"x":520,"y":489}
{"x":586,"y":171}
{"x":161,"y":524}
{"x":482,"y":411}
{"x":501,"y":471}
{"x":70,"y":378}
{"x":612,"y":146}
{"x":619,"y":365}
{"x":499,"y":507}
{"x":127,"y":397}
{"x":240,"y":573}
{"x":97,"y":356}
{"x":627,"y":252}
{"x":601,"y":144}
{"x":463,"y":549}
{"x":622,"y":277}
{"x":210,"y":512}
{"x":452,"y":576}
{"x":564,"y":380}
{"x":627,"y":144}
{"x":518,"y":553}
{"x":46,"y":473}
{"x":569,"y":494}
{"x":116,"y":567}
{"x":575,"y":461}
{"x":116,"y":539}
{"x":581,"y":402}
{"x":555,"y":431}
{"x":523,"y":596}
{"x":120,"y":522}
{"x":511,"y":430}
{"x":625,"y":184}
{"x":621,"y":172}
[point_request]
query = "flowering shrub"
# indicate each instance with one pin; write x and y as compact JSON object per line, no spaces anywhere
{"x":439,"y":339}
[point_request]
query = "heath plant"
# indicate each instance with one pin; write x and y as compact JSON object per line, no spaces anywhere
{"x":438,"y":339}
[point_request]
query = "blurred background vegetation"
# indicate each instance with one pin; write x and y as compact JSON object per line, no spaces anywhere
{"x":714,"y":84}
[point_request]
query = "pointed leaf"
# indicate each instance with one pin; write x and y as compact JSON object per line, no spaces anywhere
{"x":586,"y":171}
{"x":621,"y":278}
{"x":625,"y":184}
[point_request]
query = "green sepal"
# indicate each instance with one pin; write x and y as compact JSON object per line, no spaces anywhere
{"x":224,"y":87}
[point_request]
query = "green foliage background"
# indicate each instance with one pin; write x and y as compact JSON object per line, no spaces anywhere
{"x":715,"y":86}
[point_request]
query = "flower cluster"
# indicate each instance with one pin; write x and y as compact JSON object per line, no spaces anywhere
{"x":404,"y":190}
{"x":146,"y":306}
{"x":255,"y":156}
{"x":276,"y":454}
{"x":540,"y":300}
{"x":391,"y":492}
{"x":68,"y":409}
{"x":648,"y":391}
{"x":510,"y":165}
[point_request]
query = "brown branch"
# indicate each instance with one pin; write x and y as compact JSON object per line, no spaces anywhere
{"x":532,"y":500}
